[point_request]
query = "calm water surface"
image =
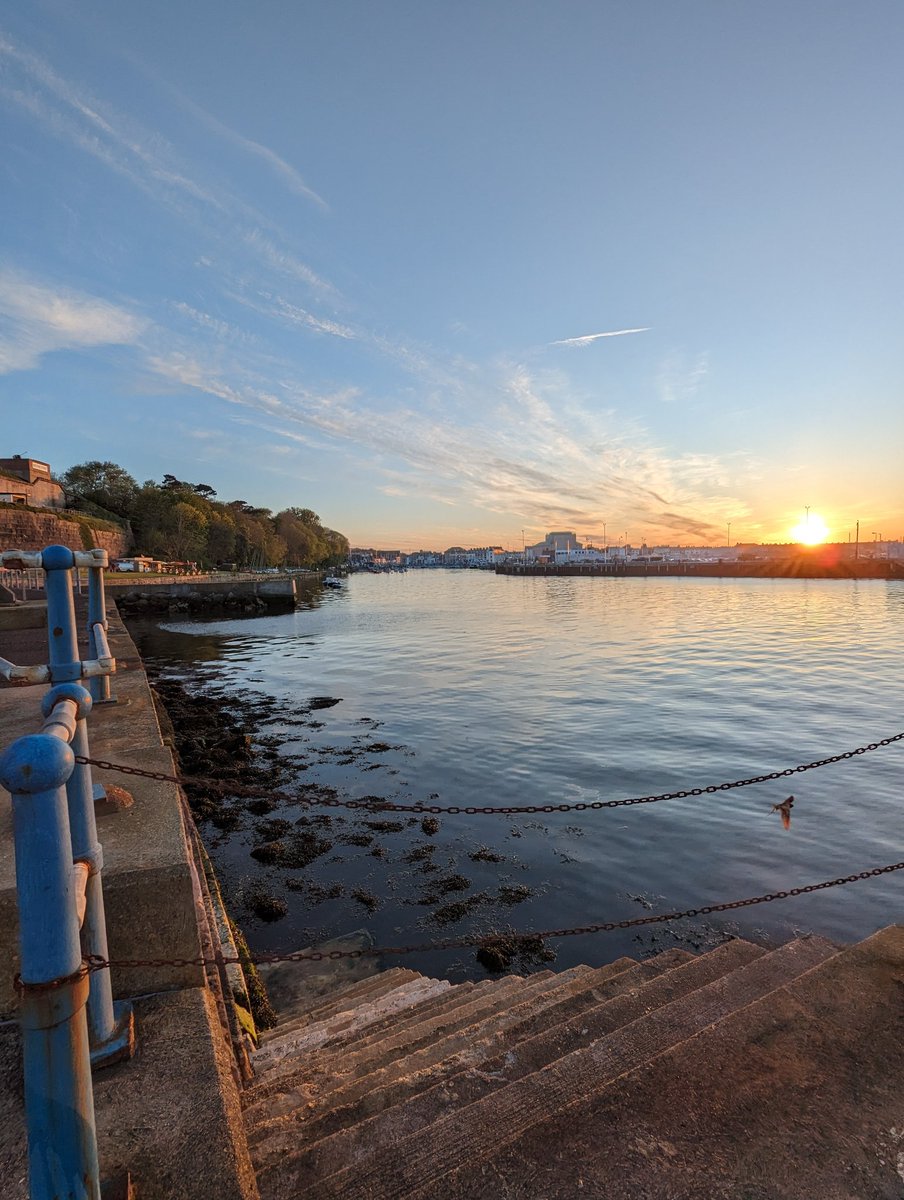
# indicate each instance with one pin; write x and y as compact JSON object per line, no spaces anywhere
{"x":494,"y":690}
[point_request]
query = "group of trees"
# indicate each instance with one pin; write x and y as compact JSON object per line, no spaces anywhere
{"x":185,"y":522}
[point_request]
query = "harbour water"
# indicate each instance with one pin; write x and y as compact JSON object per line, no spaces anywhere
{"x":465,"y":688}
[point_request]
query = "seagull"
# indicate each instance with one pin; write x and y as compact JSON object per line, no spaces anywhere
{"x":785,"y":809}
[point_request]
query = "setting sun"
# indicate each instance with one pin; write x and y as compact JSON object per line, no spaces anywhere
{"x":812,"y":531}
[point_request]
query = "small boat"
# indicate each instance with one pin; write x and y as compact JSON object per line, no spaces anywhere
{"x":331,"y":581}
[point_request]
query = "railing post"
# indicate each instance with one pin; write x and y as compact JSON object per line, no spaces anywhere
{"x":59,"y":1099}
{"x":99,"y":685}
{"x":110,"y":1026}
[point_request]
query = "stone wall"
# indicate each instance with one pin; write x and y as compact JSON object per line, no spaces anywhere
{"x":256,"y":596}
{"x":24,"y":529}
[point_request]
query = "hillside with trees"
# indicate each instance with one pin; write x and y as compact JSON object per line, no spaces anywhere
{"x":185,"y":522}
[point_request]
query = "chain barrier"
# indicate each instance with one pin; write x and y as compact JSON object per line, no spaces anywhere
{"x":96,"y":963}
{"x":376,"y":805}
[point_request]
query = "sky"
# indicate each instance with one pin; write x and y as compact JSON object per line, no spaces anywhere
{"x":464,"y":273}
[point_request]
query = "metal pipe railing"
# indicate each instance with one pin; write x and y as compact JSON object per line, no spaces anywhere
{"x":111,"y":1026}
{"x":59,"y":1099}
{"x":97,"y":629}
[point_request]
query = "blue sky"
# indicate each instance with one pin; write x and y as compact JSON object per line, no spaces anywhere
{"x":361,"y":257}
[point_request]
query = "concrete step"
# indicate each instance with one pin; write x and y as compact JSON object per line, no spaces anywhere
{"x":294,"y":987}
{"x":480,"y":1130}
{"x":417,"y":1044}
{"x":304,"y":1082}
{"x":795,"y":1097}
{"x":482,"y":1067}
{"x":414,"y":1101}
{"x":442,"y":1001}
{"x":341,"y":1001}
{"x":332,"y":1031}
{"x":462,"y":1004}
{"x":315,"y":1088}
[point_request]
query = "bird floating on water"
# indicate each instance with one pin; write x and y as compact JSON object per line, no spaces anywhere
{"x":785,"y":809}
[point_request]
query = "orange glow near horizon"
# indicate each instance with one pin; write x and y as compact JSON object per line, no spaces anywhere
{"x":811,"y":532}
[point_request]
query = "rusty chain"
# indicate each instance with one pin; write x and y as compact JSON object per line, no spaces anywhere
{"x":377,"y":805}
{"x":95,"y":963}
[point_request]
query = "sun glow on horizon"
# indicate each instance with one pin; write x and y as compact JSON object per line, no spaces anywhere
{"x":812,"y":531}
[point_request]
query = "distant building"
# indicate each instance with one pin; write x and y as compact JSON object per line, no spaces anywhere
{"x":553,"y":544}
{"x":28,"y":481}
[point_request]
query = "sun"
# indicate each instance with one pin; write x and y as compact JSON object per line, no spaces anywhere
{"x":812,"y":531}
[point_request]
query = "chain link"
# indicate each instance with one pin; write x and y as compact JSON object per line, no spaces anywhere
{"x":376,"y":805}
{"x":95,"y":963}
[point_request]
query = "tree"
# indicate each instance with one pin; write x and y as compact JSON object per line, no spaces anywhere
{"x":184,"y":534}
{"x":103,"y":483}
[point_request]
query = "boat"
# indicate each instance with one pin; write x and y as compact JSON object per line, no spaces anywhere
{"x":331,"y":581}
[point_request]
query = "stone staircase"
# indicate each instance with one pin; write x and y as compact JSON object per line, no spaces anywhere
{"x":739,"y":1073}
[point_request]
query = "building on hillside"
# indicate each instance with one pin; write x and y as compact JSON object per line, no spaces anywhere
{"x":28,"y":481}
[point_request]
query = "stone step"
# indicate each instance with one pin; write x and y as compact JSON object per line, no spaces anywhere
{"x":343,"y":1000}
{"x":413,"y":1103}
{"x":382,"y":1079}
{"x":310,"y":1086}
{"x":448,"y":998}
{"x":480,"y":1130}
{"x":405,"y":1106}
{"x":333,"y":1030}
{"x":316,"y":1095}
{"x":302,"y":1081}
{"x":795,"y":1097}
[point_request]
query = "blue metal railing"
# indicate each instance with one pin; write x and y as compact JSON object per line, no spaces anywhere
{"x":69,"y":1020}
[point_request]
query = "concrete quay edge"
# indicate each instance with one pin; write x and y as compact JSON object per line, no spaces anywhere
{"x":172,"y":1114}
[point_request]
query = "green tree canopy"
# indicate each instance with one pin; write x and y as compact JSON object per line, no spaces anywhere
{"x":103,"y":483}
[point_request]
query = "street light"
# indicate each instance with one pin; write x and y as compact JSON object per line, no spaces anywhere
{"x":729,"y":535}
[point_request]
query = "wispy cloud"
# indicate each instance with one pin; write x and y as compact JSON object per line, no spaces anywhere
{"x":588,"y":338}
{"x":679,"y":378}
{"x":149,"y":161}
{"x":79,"y":118}
{"x":523,"y":451}
{"x":283,"y":170}
{"x":37,"y":318}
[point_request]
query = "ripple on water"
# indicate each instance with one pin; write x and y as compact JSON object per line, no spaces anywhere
{"x":494,"y":690}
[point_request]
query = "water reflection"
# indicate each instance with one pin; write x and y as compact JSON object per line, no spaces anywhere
{"x":488,"y":690}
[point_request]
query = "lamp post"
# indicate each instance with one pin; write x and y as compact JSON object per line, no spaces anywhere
{"x":728,"y":543}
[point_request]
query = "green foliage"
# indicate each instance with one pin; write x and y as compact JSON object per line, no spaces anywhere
{"x":85,"y":533}
{"x":184,"y":522}
{"x":65,"y":514}
{"x":102,"y":483}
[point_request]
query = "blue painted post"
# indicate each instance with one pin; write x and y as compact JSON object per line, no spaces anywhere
{"x":59,"y":1099}
{"x":99,"y":685}
{"x":110,"y":1026}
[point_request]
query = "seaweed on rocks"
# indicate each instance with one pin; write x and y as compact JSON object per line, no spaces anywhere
{"x":500,"y":951}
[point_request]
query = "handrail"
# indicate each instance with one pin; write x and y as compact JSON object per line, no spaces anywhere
{"x":69,"y":1020}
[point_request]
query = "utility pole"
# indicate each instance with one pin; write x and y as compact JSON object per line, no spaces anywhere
{"x":857,"y":542}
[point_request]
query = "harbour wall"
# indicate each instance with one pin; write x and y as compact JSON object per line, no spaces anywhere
{"x":791,"y":568}
{"x":271,"y":594}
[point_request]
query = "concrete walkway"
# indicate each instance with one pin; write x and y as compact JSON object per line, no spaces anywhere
{"x":171,"y":1115}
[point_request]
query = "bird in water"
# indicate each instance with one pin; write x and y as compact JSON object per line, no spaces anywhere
{"x":785,"y":809}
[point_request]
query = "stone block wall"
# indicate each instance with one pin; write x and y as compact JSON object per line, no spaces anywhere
{"x":22,"y":529}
